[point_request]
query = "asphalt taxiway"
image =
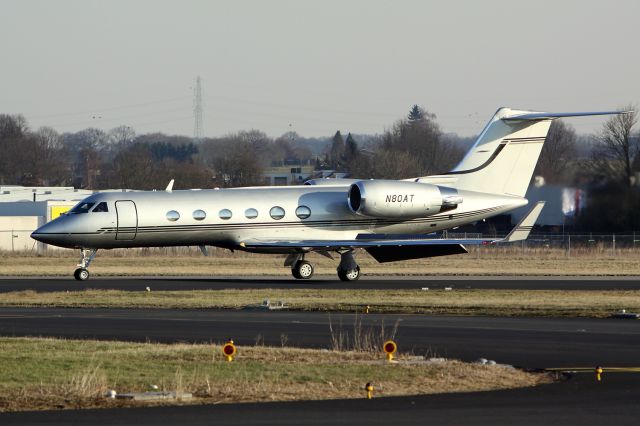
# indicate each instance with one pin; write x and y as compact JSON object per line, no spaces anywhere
{"x":526,"y":342}
{"x":371,"y":283}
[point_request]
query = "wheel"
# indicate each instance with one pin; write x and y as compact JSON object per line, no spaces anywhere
{"x":81,"y":274}
{"x":302,"y":270}
{"x":351,"y":275}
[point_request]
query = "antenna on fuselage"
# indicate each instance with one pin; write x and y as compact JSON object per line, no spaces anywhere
{"x":169,"y":187}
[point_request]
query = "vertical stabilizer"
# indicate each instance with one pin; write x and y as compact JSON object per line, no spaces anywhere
{"x":504,"y":156}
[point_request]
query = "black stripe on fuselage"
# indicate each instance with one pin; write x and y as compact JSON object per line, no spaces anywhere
{"x":328,"y":223}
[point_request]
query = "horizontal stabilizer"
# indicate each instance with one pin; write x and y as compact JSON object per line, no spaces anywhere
{"x":535,"y":116}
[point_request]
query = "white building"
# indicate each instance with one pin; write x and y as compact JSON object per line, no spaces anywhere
{"x":23,"y":209}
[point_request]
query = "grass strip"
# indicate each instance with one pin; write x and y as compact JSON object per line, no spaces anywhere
{"x":43,"y":373}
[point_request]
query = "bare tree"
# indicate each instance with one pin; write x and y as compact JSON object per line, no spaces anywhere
{"x":616,"y":148}
{"x":122,"y":135}
{"x":559,"y":149}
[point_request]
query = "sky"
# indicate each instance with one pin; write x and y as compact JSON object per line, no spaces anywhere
{"x":313,"y":67}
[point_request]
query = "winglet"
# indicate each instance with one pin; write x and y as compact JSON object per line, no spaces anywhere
{"x":169,"y":187}
{"x":523,"y":228}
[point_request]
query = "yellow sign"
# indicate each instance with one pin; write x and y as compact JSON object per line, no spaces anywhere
{"x":56,"y":211}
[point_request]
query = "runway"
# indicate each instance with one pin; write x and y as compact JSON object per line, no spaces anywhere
{"x":530,"y":342}
{"x":369,"y":283}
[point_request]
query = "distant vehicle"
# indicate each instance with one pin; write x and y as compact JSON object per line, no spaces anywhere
{"x":387,"y":218}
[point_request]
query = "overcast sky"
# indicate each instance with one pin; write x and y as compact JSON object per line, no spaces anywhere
{"x":312,"y":66}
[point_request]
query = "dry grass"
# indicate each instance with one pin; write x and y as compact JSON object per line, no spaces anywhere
{"x":491,"y":260}
{"x":456,"y":302}
{"x":52,"y":373}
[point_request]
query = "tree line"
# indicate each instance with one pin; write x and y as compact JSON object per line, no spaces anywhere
{"x":607,"y":163}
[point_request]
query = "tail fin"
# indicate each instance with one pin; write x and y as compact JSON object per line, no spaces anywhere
{"x":504,"y":156}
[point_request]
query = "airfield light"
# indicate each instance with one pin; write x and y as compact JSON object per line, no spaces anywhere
{"x":229,"y":350}
{"x":390,"y":349}
{"x":599,"y":372}
{"x":369,"y":389}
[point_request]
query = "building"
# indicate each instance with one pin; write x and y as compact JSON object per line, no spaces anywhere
{"x":287,"y":175}
{"x":24,"y":209}
{"x":563,"y":205}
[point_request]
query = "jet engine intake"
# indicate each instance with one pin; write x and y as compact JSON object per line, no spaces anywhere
{"x":400,"y":199}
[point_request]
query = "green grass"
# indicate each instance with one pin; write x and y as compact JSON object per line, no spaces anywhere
{"x":456,"y":302}
{"x":53,"y":373}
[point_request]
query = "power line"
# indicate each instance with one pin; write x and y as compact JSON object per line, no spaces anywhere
{"x":113,"y":108}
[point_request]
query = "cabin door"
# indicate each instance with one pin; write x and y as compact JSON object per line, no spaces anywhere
{"x":127,"y":220}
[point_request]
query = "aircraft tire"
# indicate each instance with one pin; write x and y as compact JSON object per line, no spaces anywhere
{"x":352,"y":275}
{"x":302,"y":270}
{"x":81,"y":274}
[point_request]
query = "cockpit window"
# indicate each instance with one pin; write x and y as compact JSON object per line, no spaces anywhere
{"x":82,"y":208}
{"x":101,"y":208}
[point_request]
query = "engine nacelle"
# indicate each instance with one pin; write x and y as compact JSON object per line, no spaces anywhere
{"x":400,"y":199}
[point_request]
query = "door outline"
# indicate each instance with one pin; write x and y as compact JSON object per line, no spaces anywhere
{"x":127,"y":235}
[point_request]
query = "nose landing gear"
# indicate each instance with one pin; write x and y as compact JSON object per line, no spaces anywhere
{"x":86,"y":256}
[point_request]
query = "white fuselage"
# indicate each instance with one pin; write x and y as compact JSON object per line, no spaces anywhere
{"x":143,"y":219}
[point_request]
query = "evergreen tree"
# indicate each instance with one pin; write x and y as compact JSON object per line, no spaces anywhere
{"x":337,"y":151}
{"x":416,"y":114}
{"x":350,"y":150}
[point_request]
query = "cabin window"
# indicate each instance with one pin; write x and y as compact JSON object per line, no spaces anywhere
{"x":251,"y":213}
{"x":303,"y":212}
{"x":276,"y":212}
{"x":173,"y":215}
{"x":225,"y":214}
{"x":199,"y":215}
{"x":101,"y":208}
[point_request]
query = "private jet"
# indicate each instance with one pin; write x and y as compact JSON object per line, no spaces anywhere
{"x":392,"y":220}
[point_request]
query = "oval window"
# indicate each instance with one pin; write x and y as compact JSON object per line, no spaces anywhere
{"x":276,"y":212}
{"x":251,"y":213}
{"x":225,"y":214}
{"x":303,"y":212}
{"x":173,"y":215}
{"x":199,"y":215}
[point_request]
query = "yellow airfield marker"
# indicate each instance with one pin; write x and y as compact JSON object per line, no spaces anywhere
{"x":229,"y":350}
{"x":390,"y":348}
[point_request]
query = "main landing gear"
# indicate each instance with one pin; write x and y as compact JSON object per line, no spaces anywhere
{"x":302,"y":270}
{"x":86,"y":256}
{"x":348,"y":270}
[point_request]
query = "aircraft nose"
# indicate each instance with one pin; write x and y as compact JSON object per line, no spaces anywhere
{"x":50,"y":233}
